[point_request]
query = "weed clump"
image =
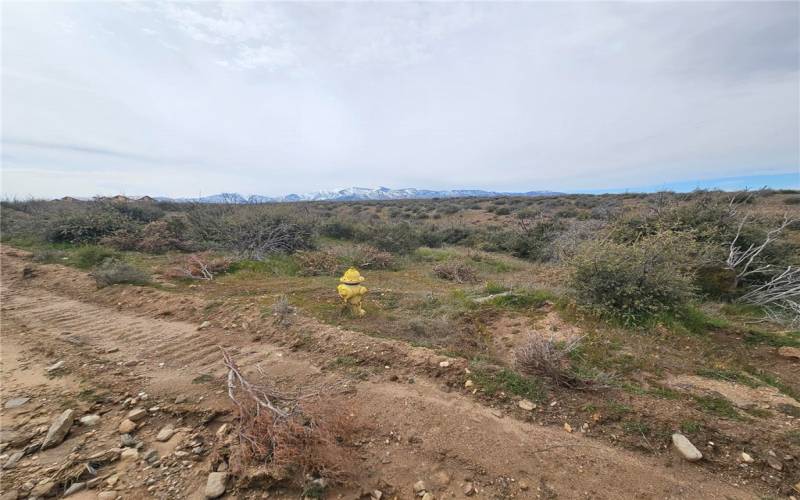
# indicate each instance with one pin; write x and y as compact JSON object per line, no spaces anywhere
{"x":456,"y":272}
{"x":113,"y":271}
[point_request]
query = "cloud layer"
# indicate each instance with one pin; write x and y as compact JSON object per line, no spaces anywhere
{"x":187,"y":98}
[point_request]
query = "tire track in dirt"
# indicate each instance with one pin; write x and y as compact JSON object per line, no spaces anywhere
{"x":417,"y":430}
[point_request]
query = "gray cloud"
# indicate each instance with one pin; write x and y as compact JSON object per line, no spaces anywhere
{"x":178,"y":98}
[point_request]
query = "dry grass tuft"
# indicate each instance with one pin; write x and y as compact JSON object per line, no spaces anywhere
{"x":458,"y":273}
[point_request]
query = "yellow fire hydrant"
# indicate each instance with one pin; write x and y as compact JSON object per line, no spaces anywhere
{"x":351,"y":291}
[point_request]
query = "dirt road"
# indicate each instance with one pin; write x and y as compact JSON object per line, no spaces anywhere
{"x":123,"y":342}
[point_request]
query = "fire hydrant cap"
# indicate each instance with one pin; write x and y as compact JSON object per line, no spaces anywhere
{"x":351,"y":276}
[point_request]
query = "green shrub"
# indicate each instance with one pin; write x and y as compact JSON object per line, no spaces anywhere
{"x":113,"y":271}
{"x":86,"y":227}
{"x":634,"y":283}
{"x":90,"y":256}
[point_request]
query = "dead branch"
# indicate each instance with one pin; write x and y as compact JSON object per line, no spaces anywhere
{"x":780,"y":296}
{"x":741,"y":261}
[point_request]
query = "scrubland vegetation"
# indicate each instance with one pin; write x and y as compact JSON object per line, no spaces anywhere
{"x":573,"y":295}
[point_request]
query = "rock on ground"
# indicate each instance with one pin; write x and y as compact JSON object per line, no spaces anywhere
{"x":790,"y":352}
{"x":137,"y":414}
{"x":90,"y":420}
{"x":686,"y":448}
{"x":165,"y":434}
{"x":58,"y":429}
{"x":74,"y":488}
{"x":526,"y":405}
{"x":16,"y":402}
{"x":127,"y":426}
{"x":215,"y":485}
{"x":107,"y":495}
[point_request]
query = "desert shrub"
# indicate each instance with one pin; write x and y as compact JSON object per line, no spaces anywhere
{"x":457,"y":272}
{"x":399,"y":238}
{"x":337,"y":229}
{"x":198,"y":266}
{"x":543,"y":356}
{"x":521,"y":299}
{"x":566,"y":243}
{"x":364,"y":257}
{"x":48,"y":256}
{"x":317,"y":263}
{"x":160,"y":236}
{"x":113,"y":271}
{"x":633,"y":283}
{"x":300,"y":439}
{"x":792,"y":200}
{"x":282,"y":310}
{"x":86,"y":227}
{"x":255,"y":235}
{"x":123,"y":240}
{"x":531,"y":240}
{"x":139,"y":211}
{"x":90,"y":256}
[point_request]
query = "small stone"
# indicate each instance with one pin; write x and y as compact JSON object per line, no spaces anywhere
{"x":127,"y":426}
{"x":129,"y":454}
{"x":376,"y":495}
{"x":107,"y":495}
{"x":523,"y":486}
{"x":16,"y":402}
{"x":74,"y":488}
{"x":746,"y":458}
{"x":89,"y":420}
{"x":223,"y":429}
{"x":44,"y":488}
{"x":444,"y":364}
{"x":215,"y":484}
{"x":686,"y":448}
{"x":54,"y":367}
{"x":774,"y":463}
{"x":58,"y":429}
{"x":12,"y":460}
{"x":419,"y":487}
{"x":137,"y":414}
{"x":567,"y":427}
{"x":181,"y":399}
{"x":469,"y":383}
{"x":428,"y":496}
{"x":204,"y":324}
{"x":151,"y":456}
{"x":469,"y":489}
{"x":441,"y":479}
{"x":127,"y":441}
{"x":789,"y":352}
{"x":112,"y":479}
{"x":165,"y":434}
{"x":526,"y":405}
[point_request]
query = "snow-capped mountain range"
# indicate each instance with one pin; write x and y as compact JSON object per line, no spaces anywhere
{"x":354,"y":194}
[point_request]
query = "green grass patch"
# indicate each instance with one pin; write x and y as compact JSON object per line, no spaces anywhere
{"x":775,"y":382}
{"x":504,"y":380}
{"x":692,"y":320}
{"x":719,"y":406}
{"x":522,"y":299}
{"x":493,"y":288}
{"x":759,"y":337}
{"x":690,"y":426}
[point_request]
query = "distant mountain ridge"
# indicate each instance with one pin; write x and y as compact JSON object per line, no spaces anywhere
{"x":355,"y":194}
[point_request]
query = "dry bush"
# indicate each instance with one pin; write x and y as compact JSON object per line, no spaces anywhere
{"x":113,"y":271}
{"x":298,"y":438}
{"x":545,"y":357}
{"x":364,"y":257}
{"x":459,"y":273}
{"x":199,"y":266}
{"x":282,"y":310}
{"x":317,"y":263}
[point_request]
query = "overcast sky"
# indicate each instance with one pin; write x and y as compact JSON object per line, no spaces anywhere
{"x":187,"y":98}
